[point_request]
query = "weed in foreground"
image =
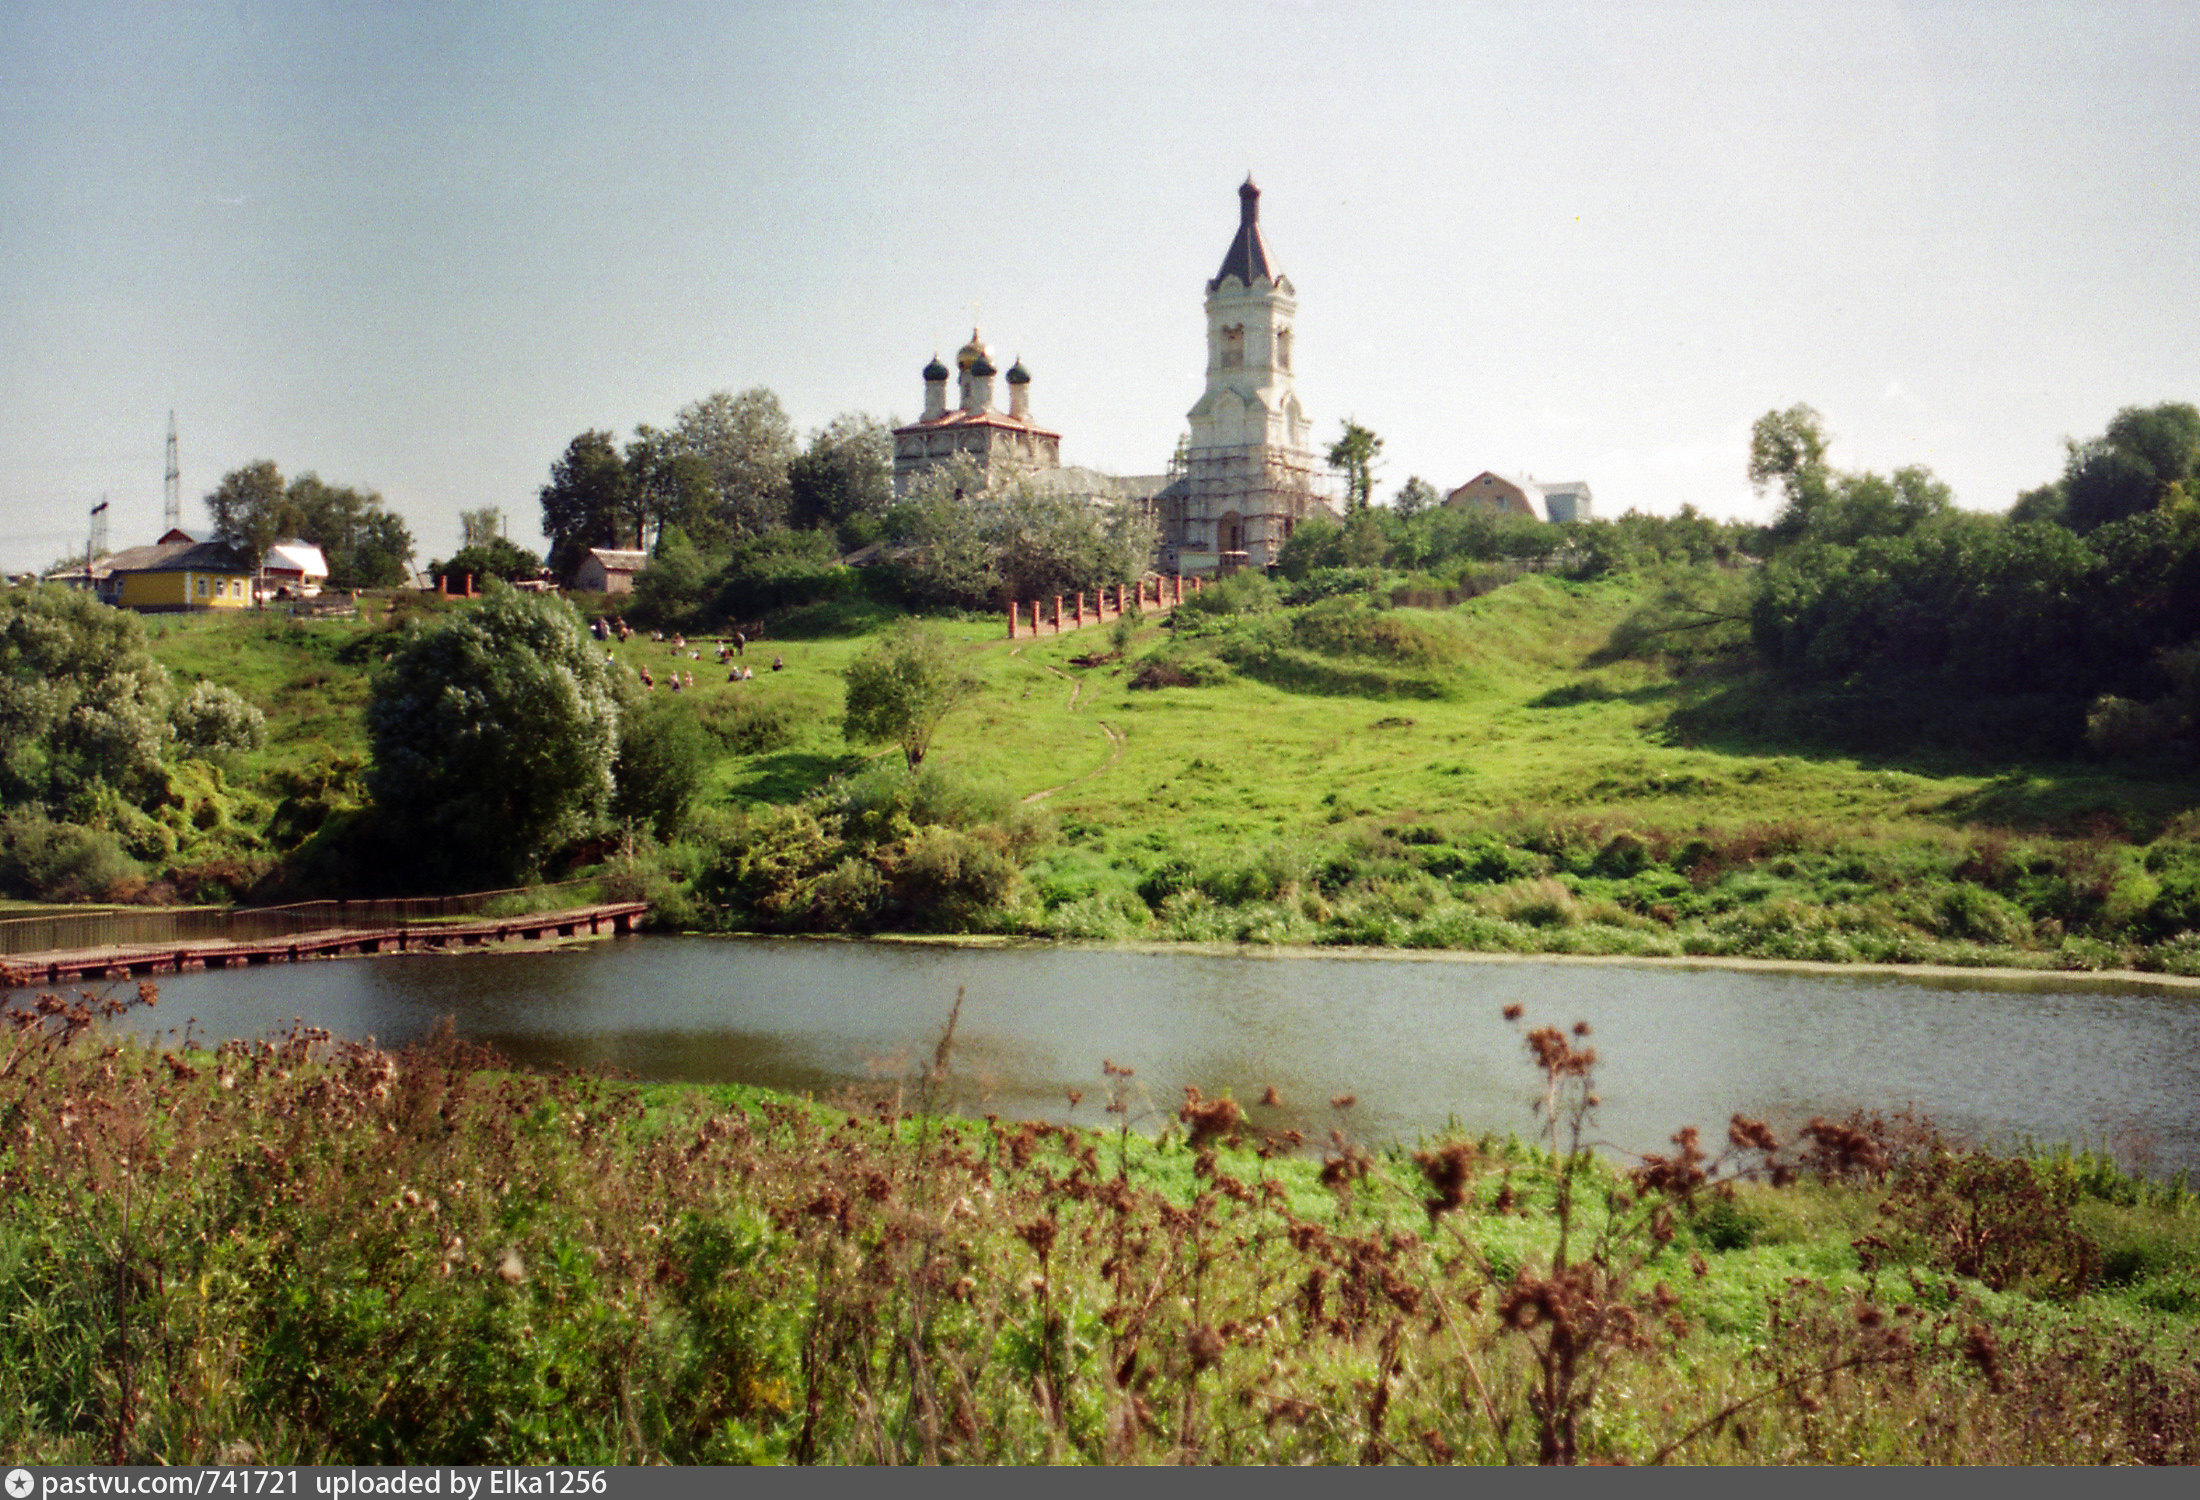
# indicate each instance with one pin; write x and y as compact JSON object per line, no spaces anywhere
{"x":307,"y":1250}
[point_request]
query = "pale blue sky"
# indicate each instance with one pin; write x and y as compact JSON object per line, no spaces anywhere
{"x":419,"y":247}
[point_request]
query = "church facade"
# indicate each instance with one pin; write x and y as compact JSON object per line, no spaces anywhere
{"x":1248,"y":474}
{"x":972,"y":428}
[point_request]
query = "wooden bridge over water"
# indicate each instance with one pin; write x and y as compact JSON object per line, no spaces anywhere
{"x":125,"y":961}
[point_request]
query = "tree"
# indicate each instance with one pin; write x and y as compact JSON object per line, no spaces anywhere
{"x":494,"y":736}
{"x":748,"y":445}
{"x":2147,"y":453}
{"x":1787,"y":449}
{"x":1415,"y":496}
{"x":672,"y":587}
{"x":84,"y":708}
{"x":845,"y":477}
{"x":668,"y":486}
{"x":664,"y":758}
{"x":499,"y":557}
{"x":902,"y":688}
{"x":971,"y":540}
{"x":1353,"y":455}
{"x":365,"y":545}
{"x":478,"y":528}
{"x":251,"y":512}
{"x":587,"y":502}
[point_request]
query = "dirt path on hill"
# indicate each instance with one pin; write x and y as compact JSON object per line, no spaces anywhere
{"x":1117,"y":743}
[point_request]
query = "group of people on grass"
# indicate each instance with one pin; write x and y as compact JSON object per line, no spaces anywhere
{"x":729,"y":649}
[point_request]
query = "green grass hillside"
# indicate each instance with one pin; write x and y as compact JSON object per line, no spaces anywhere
{"x":1490,"y":775}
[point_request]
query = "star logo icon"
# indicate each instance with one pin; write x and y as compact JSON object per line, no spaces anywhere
{"x":19,"y":1483}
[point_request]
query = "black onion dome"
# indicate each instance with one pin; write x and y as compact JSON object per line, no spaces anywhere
{"x":983,"y":367}
{"x":935,"y":370}
{"x":1018,"y":375}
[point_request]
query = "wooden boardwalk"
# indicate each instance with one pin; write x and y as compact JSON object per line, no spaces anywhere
{"x":25,"y":969}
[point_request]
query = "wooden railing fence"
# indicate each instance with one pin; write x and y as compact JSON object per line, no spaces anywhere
{"x":123,"y":928}
{"x":1153,"y":593}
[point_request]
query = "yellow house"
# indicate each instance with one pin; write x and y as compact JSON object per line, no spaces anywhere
{"x":177,"y":573}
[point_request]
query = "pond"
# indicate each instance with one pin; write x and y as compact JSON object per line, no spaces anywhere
{"x":2106,"y":1064}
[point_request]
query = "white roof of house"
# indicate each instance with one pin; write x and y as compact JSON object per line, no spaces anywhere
{"x":302,"y":558}
{"x":620,"y":559}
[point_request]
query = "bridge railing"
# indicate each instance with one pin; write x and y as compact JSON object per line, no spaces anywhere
{"x":126,"y":928}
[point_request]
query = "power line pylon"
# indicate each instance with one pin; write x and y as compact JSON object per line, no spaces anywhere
{"x":172,"y":495}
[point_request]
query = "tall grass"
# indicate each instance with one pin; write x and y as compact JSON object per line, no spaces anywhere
{"x":312,"y":1250}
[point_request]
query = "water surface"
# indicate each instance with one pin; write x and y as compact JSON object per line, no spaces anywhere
{"x":1420,"y":1043}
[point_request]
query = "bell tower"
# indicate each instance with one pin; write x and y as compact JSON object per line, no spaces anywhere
{"x":1250,"y":471}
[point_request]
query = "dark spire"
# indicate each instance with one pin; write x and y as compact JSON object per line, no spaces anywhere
{"x":1248,"y":257}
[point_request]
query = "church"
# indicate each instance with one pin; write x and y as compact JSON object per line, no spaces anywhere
{"x":1249,"y":472}
{"x":972,"y":428}
{"x":1246,"y":475}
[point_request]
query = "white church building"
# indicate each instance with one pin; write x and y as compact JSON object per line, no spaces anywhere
{"x":1250,"y":474}
{"x":1247,"y":474}
{"x":972,"y":427}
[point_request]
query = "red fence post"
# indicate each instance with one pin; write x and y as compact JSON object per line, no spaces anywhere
{"x":1035,"y":617}
{"x":1080,"y":609}
{"x":1012,"y":619}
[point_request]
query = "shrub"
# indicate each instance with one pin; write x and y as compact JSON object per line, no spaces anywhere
{"x":83,"y":705}
{"x":494,"y":736}
{"x":663,"y":760}
{"x":1350,"y":627}
{"x":783,"y":570}
{"x":1246,"y":593}
{"x":747,"y":724}
{"x":2000,"y":1221}
{"x":42,"y":860}
{"x":1535,"y":903}
{"x":901,"y":689}
{"x":215,"y":720}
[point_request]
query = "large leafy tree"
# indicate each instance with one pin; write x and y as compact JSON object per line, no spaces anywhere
{"x":1353,"y":455}
{"x":250,"y":510}
{"x":87,"y":714}
{"x":494,"y":736}
{"x":83,"y":705}
{"x":588,"y":501}
{"x":366,"y":544}
{"x":2149,"y":456}
{"x":1787,"y":453}
{"x":845,"y":477}
{"x":901,"y":689}
{"x":668,"y":486}
{"x":748,"y":445}
{"x":499,"y":557}
{"x":970,"y":540}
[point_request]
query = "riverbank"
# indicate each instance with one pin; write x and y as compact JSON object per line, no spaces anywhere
{"x":310,"y":1250}
{"x":2082,"y":979}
